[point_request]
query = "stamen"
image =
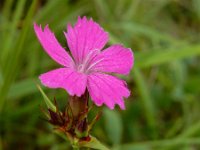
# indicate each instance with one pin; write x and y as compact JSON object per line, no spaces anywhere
{"x":86,"y":63}
{"x":80,"y":68}
{"x":94,"y":64}
{"x":90,"y":54}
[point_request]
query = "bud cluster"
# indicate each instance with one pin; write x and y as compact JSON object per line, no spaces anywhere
{"x":73,"y":120}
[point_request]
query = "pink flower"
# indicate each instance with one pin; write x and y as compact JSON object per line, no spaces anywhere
{"x":89,"y":64}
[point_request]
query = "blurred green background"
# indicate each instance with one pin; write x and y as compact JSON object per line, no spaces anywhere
{"x":163,"y":112}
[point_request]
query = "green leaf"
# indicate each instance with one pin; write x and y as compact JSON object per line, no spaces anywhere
{"x":165,"y":56}
{"x":15,"y":59}
{"x":9,"y":39}
{"x":47,"y":9}
{"x":7,"y":8}
{"x":113,"y":125}
{"x":151,"y":33}
{"x":1,"y":77}
{"x":196,"y":6}
{"x":191,"y":131}
{"x":146,"y":101}
{"x":102,"y":9}
{"x":94,"y":143}
{"x":159,"y":144}
{"x":47,"y":100}
{"x":132,"y":147}
{"x":22,"y":88}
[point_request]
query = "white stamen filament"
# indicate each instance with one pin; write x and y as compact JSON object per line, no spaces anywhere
{"x":94,"y":64}
{"x":85,"y":66}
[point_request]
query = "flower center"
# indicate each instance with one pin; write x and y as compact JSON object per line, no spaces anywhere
{"x":89,"y":62}
{"x":81,"y":68}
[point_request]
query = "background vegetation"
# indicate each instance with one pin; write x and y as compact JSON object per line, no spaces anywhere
{"x":163,"y":111}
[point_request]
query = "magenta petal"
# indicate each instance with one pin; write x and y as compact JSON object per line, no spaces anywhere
{"x":115,"y":59}
{"x":86,"y":35}
{"x":52,"y":47}
{"x":107,"y":89}
{"x":73,"y":82}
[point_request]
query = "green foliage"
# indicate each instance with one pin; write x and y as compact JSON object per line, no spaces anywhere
{"x":113,"y":126}
{"x":94,"y":143}
{"x":163,"y":110}
{"x":48,"y":102}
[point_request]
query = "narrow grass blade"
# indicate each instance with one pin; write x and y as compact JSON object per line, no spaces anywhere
{"x":47,"y":100}
{"x":12,"y":29}
{"x":148,"y":59}
{"x":151,"y":33}
{"x":47,"y":9}
{"x":113,"y":125}
{"x":160,"y":144}
{"x":22,"y":88}
{"x":11,"y":67}
{"x":7,"y":8}
{"x":102,"y":9}
{"x":147,"y":102}
{"x":1,"y":78}
{"x":191,"y":131}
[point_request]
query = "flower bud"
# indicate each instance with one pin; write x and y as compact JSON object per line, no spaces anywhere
{"x":81,"y":129}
